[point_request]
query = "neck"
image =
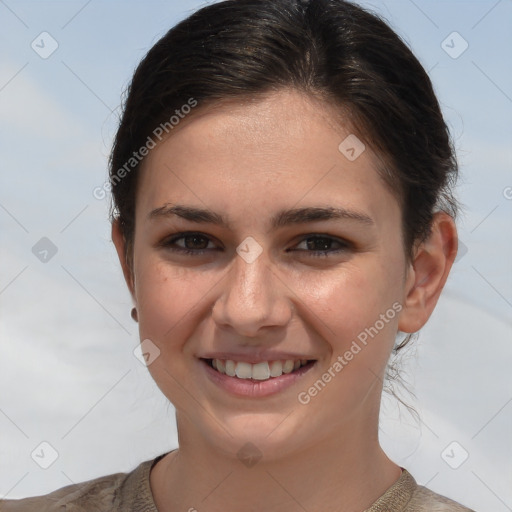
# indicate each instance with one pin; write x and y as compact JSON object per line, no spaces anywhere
{"x":347,"y":472}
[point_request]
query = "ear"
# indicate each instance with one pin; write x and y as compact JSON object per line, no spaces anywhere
{"x":120,"y":245}
{"x":428,"y":272}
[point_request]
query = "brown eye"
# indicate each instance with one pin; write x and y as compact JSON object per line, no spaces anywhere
{"x":188,"y":243}
{"x":195,"y":242}
{"x":322,"y":246}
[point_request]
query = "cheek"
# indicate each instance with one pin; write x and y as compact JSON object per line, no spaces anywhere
{"x":339,"y":304}
{"x":172,"y":302}
{"x":168,"y":298}
{"x":356,"y":313}
{"x":350,"y":299}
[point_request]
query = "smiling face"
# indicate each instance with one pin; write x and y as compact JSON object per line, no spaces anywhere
{"x":258,"y":241}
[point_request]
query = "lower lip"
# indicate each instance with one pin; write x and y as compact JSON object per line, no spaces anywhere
{"x":255,"y":388}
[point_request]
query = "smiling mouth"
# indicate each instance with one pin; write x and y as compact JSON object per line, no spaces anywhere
{"x":265,"y":370}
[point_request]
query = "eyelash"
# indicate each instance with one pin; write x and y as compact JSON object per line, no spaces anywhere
{"x":345,"y":245}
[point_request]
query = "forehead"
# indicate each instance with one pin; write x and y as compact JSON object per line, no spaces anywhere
{"x":281,"y":149}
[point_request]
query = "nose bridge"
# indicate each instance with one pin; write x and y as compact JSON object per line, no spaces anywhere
{"x":250,"y":283}
{"x":251,"y":297}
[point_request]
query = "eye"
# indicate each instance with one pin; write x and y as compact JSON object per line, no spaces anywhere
{"x":321,"y":246}
{"x":188,"y":243}
{"x":196,"y":244}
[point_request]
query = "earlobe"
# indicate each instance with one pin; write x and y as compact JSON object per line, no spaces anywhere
{"x":432,"y":262}
{"x":120,"y":245}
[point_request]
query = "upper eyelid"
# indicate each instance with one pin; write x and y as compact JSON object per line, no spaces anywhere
{"x":341,"y":241}
{"x":178,"y":236}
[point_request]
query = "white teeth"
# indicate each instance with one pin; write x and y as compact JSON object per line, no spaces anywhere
{"x":230,"y":368}
{"x":288,"y":366}
{"x":276,"y":369}
{"x":243,"y":370}
{"x":258,"y":371}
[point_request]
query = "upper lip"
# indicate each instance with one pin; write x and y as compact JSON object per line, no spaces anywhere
{"x":255,"y":358}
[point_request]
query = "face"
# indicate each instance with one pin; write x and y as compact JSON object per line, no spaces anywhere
{"x":258,"y":242}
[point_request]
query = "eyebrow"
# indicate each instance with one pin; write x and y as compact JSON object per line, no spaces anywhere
{"x":281,"y":219}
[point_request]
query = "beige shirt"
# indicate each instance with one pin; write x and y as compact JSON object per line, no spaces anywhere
{"x":131,"y":492}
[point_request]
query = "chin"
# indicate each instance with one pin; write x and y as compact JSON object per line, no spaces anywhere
{"x":259,"y":436}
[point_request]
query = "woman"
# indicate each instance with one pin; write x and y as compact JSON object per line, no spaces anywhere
{"x":282,"y":188}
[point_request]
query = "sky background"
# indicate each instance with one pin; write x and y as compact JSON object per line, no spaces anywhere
{"x":68,"y":373}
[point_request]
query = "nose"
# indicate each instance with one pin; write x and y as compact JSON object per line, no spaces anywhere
{"x":253,"y":298}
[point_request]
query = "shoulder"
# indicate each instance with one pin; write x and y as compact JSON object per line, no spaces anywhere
{"x":405,"y":495}
{"x":117,"y":492}
{"x":97,"y":493}
{"x":424,"y":499}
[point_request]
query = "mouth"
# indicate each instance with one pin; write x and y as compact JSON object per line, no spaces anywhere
{"x":261,"y":371}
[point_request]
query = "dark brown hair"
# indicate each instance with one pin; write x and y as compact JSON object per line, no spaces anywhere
{"x":331,"y":49}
